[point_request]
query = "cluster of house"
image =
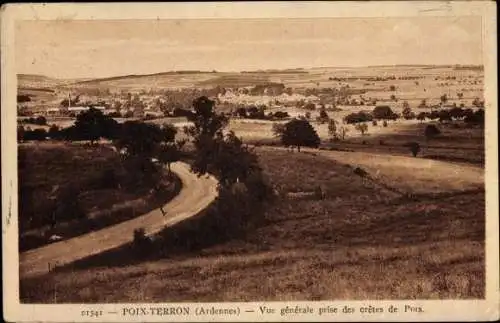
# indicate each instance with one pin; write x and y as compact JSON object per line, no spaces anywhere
{"x":139,"y":107}
{"x":268,"y":100}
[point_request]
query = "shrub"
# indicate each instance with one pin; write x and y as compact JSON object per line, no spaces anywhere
{"x":280,"y":115}
{"x":384,"y":123}
{"x":374,"y":123}
{"x":431,"y":131}
{"x":54,"y":132}
{"x":414,"y":148}
{"x":37,"y":134}
{"x":383,"y":112}
{"x":421,"y":116}
{"x":141,"y":242}
{"x":360,"y":172}
{"x":362,"y":128}
{"x":139,"y":235}
{"x":358,"y":117}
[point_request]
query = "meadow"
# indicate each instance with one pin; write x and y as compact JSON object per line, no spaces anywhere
{"x":70,"y":189}
{"x":361,"y":241}
{"x":412,"y":228}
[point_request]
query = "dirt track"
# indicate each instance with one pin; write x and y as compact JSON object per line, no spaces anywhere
{"x":196,"y":194}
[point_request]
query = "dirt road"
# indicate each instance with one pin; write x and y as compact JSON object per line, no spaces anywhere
{"x":196,"y":194}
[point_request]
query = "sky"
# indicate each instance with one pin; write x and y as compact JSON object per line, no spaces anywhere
{"x":92,"y":49}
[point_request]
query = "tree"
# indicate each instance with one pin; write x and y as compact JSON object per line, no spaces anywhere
{"x":358,"y":117}
{"x":457,"y":113}
{"x":93,"y":124}
{"x":392,"y":88}
{"x":362,"y":128}
{"x":21,"y":98}
{"x":406,"y":110}
{"x":431,"y":131}
{"x":168,"y":149}
{"x":20,"y":133}
{"x":323,"y":116}
{"x":444,"y":115}
{"x":298,"y":133}
{"x":36,"y":134}
{"x":41,"y":120}
{"x":142,"y":143}
{"x":206,"y":130}
{"x":423,"y":104}
{"x":443,"y":99}
{"x":475,"y":118}
{"x":224,"y":155}
{"x":143,"y":139}
{"x":343,"y":131}
{"x":383,"y":112}
{"x":421,"y":116}
{"x":53,"y":132}
{"x":281,"y":114}
{"x":477,"y":103}
{"x":233,"y":162}
{"x":414,"y":148}
{"x":310,"y":106}
{"x":278,"y":129}
{"x":241,"y":112}
{"x":332,"y":129}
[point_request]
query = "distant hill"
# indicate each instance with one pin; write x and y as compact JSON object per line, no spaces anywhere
{"x":195,"y":78}
{"x":41,"y":82}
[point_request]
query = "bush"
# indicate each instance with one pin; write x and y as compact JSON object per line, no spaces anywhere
{"x":142,"y":242}
{"x":360,"y":172}
{"x":414,"y":148}
{"x":383,"y":112}
{"x":431,"y":131}
{"x":358,"y":117}
{"x":384,"y":123}
{"x":37,"y":134}
{"x":374,"y":123}
{"x":362,"y":128}
{"x":280,"y":115}
{"x":139,"y":235}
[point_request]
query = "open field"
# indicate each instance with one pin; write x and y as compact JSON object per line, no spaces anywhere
{"x":413,"y":228}
{"x":362,"y":241}
{"x":70,"y":189}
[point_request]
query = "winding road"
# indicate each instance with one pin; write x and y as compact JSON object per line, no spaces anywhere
{"x":196,"y":194}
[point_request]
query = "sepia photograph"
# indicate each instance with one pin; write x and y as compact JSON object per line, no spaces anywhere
{"x":258,"y":159}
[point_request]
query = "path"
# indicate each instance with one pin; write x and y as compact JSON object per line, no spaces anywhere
{"x":195,"y":195}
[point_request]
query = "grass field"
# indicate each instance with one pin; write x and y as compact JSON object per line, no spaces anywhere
{"x":60,"y":181}
{"x":361,"y":241}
